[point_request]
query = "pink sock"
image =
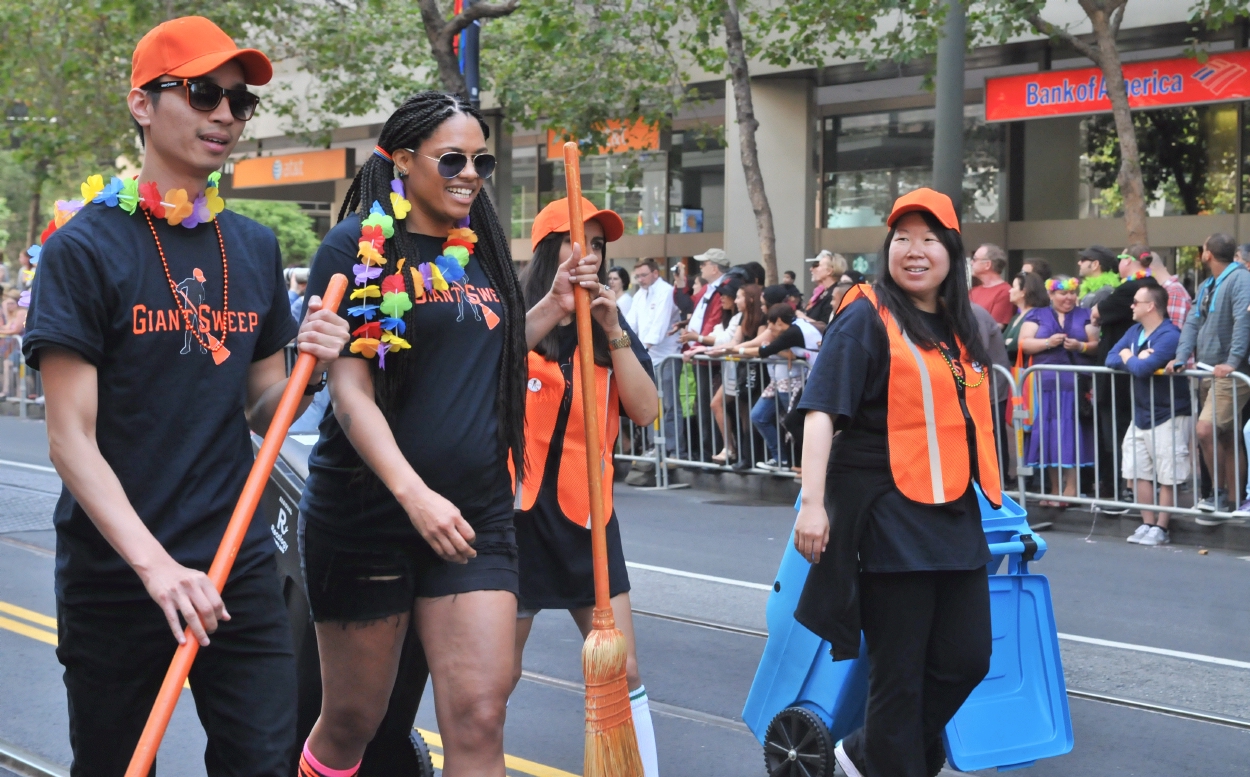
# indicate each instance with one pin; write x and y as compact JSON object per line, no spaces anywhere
{"x":321,"y":770}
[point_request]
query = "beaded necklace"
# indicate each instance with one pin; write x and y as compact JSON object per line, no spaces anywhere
{"x":214,"y":346}
{"x":958,"y":372}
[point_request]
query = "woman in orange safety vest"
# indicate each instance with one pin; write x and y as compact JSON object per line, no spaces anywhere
{"x":553,"y":523}
{"x":888,"y":514}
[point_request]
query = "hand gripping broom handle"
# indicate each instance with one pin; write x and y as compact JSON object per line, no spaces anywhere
{"x":590,"y":405}
{"x":184,"y":656}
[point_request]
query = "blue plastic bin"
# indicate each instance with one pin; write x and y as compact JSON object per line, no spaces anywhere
{"x":1017,"y":715}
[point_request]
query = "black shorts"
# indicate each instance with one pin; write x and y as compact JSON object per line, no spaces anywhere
{"x":370,"y":578}
{"x":557,"y":568}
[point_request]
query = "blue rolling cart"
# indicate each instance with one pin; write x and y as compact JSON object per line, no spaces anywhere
{"x":802,"y":701}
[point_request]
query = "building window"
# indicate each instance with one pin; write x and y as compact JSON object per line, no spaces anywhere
{"x":696,"y":188}
{"x":524,"y":189}
{"x":872,"y":159}
{"x":1188,"y":159}
{"x":634,"y":184}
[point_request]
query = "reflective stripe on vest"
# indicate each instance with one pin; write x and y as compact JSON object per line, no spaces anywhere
{"x":544,"y":394}
{"x":927,"y":433}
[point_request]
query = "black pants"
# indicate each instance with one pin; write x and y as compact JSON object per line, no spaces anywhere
{"x":928,"y":637}
{"x":115,"y":655}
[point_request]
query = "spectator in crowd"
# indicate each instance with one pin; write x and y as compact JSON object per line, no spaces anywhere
{"x":697,"y":287}
{"x":652,"y":315}
{"x":12,"y":322}
{"x":1217,"y":333}
{"x":1028,"y":291}
{"x":827,"y":270}
{"x":296,"y":282}
{"x":25,"y":272}
{"x":1156,"y":445}
{"x":1039,"y":267}
{"x":1243,"y":253}
{"x":849,"y":278}
{"x":733,"y":396}
{"x":1098,"y":267}
{"x":1114,"y":314}
{"x":618,"y":280}
{"x":785,"y":333}
{"x":992,"y":339}
{"x":1059,"y":334}
{"x":789,"y":277}
{"x":1179,"y":301}
{"x":683,"y":289}
{"x":989,"y":262}
{"x":713,"y":267}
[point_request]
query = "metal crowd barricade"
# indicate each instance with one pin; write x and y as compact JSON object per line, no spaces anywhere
{"x":1056,"y":441}
{"x":16,"y":374}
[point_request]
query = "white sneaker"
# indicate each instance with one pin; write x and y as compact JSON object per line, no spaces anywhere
{"x":1155,"y":536}
{"x":1141,"y":532}
{"x":844,"y":761}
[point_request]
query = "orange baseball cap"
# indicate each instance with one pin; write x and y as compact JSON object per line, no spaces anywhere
{"x":192,"y":46}
{"x":928,"y":200}
{"x":555,"y":218}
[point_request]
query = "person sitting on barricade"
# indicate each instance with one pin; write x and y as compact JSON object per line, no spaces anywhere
{"x":1062,"y":438}
{"x":1217,"y":334}
{"x":1156,"y":446}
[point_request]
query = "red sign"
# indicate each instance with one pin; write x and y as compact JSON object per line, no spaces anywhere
{"x":1183,"y":81}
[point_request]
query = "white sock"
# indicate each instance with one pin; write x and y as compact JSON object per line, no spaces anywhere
{"x":645,"y":731}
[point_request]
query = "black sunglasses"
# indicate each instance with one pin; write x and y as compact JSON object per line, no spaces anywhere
{"x":206,"y":96}
{"x":453,"y":163}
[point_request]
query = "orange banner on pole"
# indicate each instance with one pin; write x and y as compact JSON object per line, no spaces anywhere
{"x":1161,"y":83}
{"x":637,"y":136}
{"x":308,"y":167}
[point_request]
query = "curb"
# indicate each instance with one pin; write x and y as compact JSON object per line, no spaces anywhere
{"x":23,"y":762}
{"x":1183,"y":529}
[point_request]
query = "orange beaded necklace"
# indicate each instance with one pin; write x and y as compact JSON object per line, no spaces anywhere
{"x":214,"y":346}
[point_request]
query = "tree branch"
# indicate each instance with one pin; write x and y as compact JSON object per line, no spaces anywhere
{"x":479,"y":11}
{"x":1051,"y":31}
{"x":1117,"y":16}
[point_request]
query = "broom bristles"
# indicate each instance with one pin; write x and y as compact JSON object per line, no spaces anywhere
{"x":611,"y":745}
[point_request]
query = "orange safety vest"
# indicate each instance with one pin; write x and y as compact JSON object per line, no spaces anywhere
{"x":927,"y":436}
{"x":543,"y":396}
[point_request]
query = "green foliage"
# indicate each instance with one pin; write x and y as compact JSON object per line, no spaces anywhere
{"x":294,"y":227}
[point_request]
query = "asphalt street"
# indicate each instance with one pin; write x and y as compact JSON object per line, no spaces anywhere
{"x":1167,"y":627}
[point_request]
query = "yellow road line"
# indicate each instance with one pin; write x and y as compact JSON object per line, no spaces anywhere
{"x":512,"y":762}
{"x":28,"y":631}
{"x":29,"y":615}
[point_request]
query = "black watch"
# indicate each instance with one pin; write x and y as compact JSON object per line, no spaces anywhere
{"x":313,"y":388}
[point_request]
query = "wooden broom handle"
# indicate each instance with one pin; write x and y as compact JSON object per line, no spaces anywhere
{"x":590,"y":404}
{"x":231,"y":541}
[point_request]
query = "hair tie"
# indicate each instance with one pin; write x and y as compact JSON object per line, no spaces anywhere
{"x":382,"y":153}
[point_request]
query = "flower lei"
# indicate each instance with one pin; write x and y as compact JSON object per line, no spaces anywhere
{"x":1137,"y":276}
{"x":377,"y":338}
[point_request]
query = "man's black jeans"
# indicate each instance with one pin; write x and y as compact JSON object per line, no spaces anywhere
{"x":115,"y":656}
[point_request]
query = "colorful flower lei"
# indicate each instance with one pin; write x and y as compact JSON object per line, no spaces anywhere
{"x":377,"y":338}
{"x":176,"y":207}
{"x":1137,"y":276}
{"x":1054,"y":284}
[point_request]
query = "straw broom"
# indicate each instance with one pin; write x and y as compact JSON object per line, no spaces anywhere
{"x":611,"y":745}
{"x":231,"y":541}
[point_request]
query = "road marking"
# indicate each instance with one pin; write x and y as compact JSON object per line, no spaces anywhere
{"x":522,"y":765}
{"x":26,"y":546}
{"x":28,"y":631}
{"x":24,"y":465}
{"x":1157,"y":651}
{"x":29,"y":615}
{"x":697,"y":576}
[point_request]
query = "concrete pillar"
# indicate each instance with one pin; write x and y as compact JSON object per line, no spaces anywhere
{"x":785,"y":138}
{"x":1052,"y":180}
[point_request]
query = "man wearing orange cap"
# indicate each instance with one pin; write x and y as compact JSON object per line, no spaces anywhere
{"x":149,"y":431}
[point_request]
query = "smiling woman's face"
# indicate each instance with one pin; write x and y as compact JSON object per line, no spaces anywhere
{"x":918,"y":260}
{"x":439,"y":202}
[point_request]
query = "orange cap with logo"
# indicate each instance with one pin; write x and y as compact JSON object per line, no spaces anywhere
{"x":189,"y":47}
{"x":928,"y":200}
{"x":555,"y":218}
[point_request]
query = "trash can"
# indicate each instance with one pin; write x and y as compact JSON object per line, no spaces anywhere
{"x":397,"y":749}
{"x":802,"y":702}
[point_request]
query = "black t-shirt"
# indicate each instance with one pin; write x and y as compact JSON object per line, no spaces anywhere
{"x":169,"y":421}
{"x":791,"y":338}
{"x":850,"y":381}
{"x":445,"y":421}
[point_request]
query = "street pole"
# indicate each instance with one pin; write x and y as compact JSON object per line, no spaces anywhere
{"x":470,"y":50}
{"x":948,"y":131}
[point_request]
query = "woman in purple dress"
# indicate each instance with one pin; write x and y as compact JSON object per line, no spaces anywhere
{"x":1059,"y":334}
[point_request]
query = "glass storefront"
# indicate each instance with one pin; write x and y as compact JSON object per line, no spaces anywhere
{"x":872,"y":159}
{"x":1188,"y":157}
{"x":655,"y":192}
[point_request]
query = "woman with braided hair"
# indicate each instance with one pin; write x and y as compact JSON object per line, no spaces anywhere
{"x":408,"y":507}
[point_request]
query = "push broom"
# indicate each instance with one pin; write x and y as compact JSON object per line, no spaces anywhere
{"x":236,"y":530}
{"x":611,"y":746}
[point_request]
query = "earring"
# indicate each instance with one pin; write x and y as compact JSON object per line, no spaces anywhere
{"x":398,"y":173}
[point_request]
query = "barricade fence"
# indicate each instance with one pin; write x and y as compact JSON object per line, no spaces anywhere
{"x":1065,"y":434}
{"x":17,"y":382}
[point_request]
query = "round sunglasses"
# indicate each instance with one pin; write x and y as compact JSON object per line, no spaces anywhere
{"x":453,"y":163}
{"x":206,"y":96}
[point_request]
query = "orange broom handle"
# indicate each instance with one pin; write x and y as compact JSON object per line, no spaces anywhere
{"x":236,"y":530}
{"x":590,"y":405}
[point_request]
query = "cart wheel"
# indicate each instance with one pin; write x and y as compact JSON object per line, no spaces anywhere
{"x":425,"y":767}
{"x":797,"y":744}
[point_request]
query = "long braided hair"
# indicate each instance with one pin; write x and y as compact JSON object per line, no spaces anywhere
{"x":408,"y":127}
